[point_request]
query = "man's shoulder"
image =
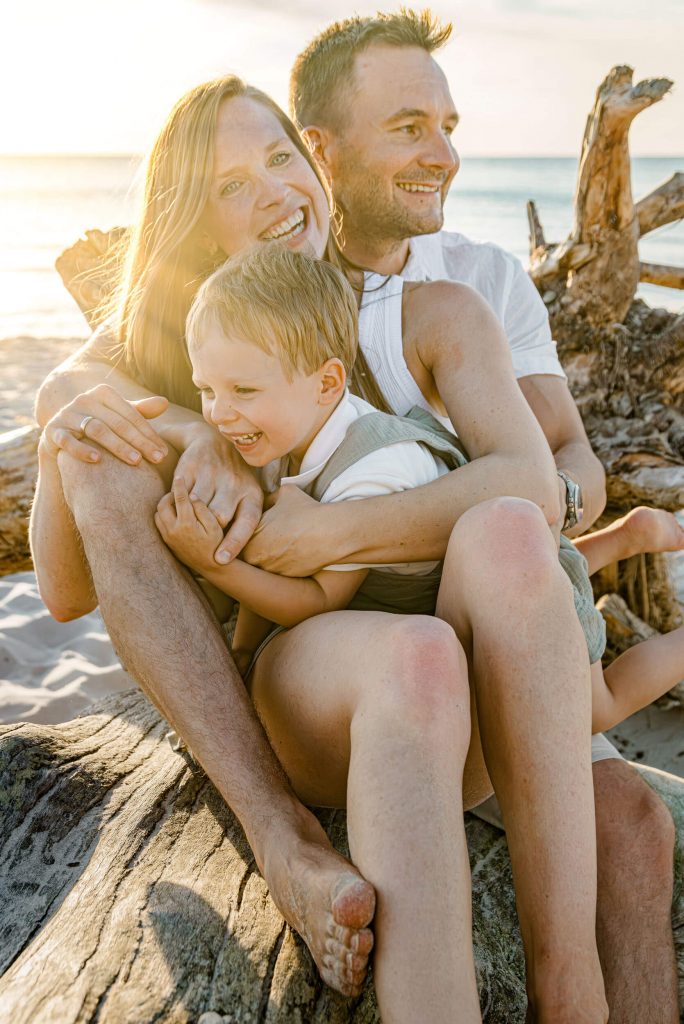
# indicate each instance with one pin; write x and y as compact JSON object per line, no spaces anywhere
{"x":484,"y":265}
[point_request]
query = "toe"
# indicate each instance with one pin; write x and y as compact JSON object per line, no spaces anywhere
{"x":353,"y":903}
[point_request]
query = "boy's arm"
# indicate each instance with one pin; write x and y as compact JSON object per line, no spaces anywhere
{"x":192,"y":532}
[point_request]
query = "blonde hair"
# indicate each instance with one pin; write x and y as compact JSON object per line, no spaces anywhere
{"x":165,"y":262}
{"x":325,"y":69}
{"x":161,"y":264}
{"x":293,"y":306}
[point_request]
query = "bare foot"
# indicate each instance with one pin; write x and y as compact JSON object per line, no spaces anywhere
{"x":324,"y":898}
{"x":652,"y":529}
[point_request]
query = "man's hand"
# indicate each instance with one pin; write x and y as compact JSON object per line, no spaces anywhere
{"x":115,"y":424}
{"x":211,"y":470}
{"x":188,"y":528}
{"x":292,"y":538}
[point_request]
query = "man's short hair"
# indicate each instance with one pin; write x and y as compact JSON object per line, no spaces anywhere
{"x":325,"y":68}
{"x":293,"y":306}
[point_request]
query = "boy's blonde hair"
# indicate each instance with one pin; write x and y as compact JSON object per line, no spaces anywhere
{"x":291,"y":305}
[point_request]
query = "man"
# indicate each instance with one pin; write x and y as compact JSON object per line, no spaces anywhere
{"x":377,"y":111}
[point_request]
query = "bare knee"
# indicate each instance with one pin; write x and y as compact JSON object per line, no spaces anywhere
{"x":505,"y":542}
{"x":109,"y":493}
{"x":425,"y":682}
{"x":635,"y":831}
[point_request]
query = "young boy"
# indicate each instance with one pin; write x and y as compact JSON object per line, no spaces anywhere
{"x":272,"y":336}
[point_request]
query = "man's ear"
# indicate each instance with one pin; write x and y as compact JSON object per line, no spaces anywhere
{"x":333,"y":381}
{"x":323,"y":145}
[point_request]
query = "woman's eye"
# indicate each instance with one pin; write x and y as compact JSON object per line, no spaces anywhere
{"x":230,"y":188}
{"x":279,"y":159}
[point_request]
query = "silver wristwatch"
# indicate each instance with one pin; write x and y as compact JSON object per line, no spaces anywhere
{"x":573,"y":501}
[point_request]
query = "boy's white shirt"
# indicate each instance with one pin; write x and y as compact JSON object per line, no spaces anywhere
{"x":398,"y":467}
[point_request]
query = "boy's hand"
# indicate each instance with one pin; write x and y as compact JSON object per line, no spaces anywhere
{"x":188,"y":527}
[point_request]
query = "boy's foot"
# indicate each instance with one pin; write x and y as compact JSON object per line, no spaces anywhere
{"x":325,"y":900}
{"x":652,"y":530}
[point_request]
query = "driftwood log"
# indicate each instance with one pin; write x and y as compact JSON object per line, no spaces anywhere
{"x":128,"y":892}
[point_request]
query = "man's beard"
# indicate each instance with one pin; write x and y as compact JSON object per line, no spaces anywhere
{"x":371,"y":216}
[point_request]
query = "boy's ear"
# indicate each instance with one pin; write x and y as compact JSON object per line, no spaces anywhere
{"x":333,"y":381}
{"x":323,"y":146}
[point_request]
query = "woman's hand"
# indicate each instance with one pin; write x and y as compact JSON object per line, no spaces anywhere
{"x":118,"y":426}
{"x":188,"y":527}
{"x":213,"y":472}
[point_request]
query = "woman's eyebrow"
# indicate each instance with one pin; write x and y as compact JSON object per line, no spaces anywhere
{"x":238,"y":167}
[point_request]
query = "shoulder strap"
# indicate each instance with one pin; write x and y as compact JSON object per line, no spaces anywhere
{"x":378,"y":430}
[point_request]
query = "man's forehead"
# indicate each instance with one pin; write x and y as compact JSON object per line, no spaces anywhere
{"x":400,"y":77}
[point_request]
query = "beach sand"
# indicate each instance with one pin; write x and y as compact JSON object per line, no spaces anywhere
{"x":51,"y":672}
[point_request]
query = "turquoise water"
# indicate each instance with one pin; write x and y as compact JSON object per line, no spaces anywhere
{"x":47,"y":202}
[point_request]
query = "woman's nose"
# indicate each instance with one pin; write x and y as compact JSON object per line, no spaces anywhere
{"x":273,"y":191}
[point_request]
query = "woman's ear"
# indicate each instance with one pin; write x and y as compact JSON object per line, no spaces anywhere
{"x":333,"y":380}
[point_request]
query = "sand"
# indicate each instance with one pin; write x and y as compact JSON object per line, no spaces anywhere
{"x":25,"y":362}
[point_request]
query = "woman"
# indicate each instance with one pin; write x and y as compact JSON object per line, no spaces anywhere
{"x":385,"y":726}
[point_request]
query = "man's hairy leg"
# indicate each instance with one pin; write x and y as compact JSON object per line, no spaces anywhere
{"x":169,"y":640}
{"x":635,"y":841}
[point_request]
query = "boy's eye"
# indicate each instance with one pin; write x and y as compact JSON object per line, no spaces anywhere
{"x":205,"y":393}
{"x":244,"y":391}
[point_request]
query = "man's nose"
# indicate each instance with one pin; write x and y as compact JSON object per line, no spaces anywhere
{"x":440,"y":153}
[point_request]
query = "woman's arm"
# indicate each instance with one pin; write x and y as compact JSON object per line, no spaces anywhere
{"x":62,"y":571}
{"x":456,"y":351}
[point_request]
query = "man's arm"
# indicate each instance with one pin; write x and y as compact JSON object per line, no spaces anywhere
{"x":461,"y":347}
{"x":553,"y":405}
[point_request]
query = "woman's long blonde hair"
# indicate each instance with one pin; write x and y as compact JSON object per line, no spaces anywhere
{"x":165,"y":262}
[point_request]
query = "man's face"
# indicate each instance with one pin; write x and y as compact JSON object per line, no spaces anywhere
{"x":392,"y":160}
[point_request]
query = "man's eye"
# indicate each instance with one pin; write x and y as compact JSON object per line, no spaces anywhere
{"x":278,"y":159}
{"x":408,"y":129}
{"x":449,"y":129}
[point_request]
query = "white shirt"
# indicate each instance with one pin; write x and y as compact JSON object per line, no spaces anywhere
{"x":501,"y":280}
{"x":398,"y":467}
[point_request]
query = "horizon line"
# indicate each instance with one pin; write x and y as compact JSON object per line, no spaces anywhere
{"x":123,"y":155}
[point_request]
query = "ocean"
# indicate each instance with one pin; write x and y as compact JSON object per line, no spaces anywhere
{"x":47,"y":202}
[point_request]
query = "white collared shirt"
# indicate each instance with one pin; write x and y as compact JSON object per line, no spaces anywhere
{"x":501,"y":280}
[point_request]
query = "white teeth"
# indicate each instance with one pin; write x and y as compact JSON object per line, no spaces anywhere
{"x":419,"y":188}
{"x":246,"y":438}
{"x":287,"y":227}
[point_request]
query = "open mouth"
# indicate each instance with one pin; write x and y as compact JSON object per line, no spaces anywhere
{"x":414,"y":186}
{"x":244,"y":442}
{"x":288,"y":228}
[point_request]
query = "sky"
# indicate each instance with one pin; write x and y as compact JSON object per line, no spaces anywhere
{"x":100,"y":76}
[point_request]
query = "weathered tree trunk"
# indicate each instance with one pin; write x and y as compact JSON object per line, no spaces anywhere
{"x":18,"y":471}
{"x":625,"y":361}
{"x":128,"y":891}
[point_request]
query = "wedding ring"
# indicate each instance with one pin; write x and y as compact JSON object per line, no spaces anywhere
{"x":82,"y":426}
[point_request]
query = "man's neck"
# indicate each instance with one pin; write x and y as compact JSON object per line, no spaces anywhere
{"x":381,"y":256}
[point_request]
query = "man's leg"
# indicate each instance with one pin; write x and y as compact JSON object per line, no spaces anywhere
{"x":169,"y":640}
{"x":635,"y":836}
{"x":511,"y":606}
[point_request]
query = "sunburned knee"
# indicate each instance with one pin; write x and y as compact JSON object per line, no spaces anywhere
{"x":427,"y":671}
{"x":507,"y":539}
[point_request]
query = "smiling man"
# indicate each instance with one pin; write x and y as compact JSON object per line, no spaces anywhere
{"x":380,"y":118}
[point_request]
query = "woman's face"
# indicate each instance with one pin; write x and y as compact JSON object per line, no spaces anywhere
{"x":262,"y":187}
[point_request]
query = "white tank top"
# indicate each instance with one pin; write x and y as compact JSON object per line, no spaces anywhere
{"x":381,"y":341}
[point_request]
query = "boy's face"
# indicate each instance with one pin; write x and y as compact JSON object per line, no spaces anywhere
{"x":247,"y":396}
